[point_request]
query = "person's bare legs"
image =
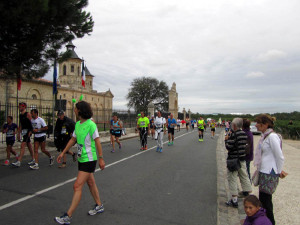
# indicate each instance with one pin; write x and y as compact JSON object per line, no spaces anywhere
{"x":82,"y":178}
{"x":93,"y":189}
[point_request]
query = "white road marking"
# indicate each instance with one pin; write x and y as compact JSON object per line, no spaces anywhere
{"x":5,"y":206}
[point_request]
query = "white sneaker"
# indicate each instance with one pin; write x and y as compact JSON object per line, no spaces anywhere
{"x":97,"y":209}
{"x":51,"y":160}
{"x":34,"y":167}
{"x":16,"y":164}
{"x":32,"y":162}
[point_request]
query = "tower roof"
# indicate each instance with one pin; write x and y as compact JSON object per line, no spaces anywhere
{"x":70,"y":48}
{"x":87,"y":72}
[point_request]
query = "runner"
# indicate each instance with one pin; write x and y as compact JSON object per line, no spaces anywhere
{"x":87,"y":138}
{"x":143,"y":126}
{"x":178,"y":124}
{"x":10,"y":130}
{"x":171,"y":123}
{"x":160,"y":125}
{"x":213,"y":128}
{"x":200,"y":125}
{"x":205,"y":122}
{"x":152,"y":127}
{"x":227,"y":127}
{"x":192,"y":124}
{"x":116,"y":128}
{"x":187,"y":124}
{"x":63,"y":132}
{"x":39,"y":129}
{"x":25,"y":129}
{"x":111,"y":130}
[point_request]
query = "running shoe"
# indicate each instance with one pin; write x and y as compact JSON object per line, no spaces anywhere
{"x":169,"y":143}
{"x":32,"y":162}
{"x":232,"y":204}
{"x":145,"y":147}
{"x":112,"y":151}
{"x":142,"y":148}
{"x":63,"y":165}
{"x":74,"y":157}
{"x":34,"y":167}
{"x":51,"y":160}
{"x":172,"y":143}
{"x":120,"y":146}
{"x":6,"y":163}
{"x":64,"y":219}
{"x":97,"y":209}
{"x":16,"y":164}
{"x":160,"y":150}
{"x":199,"y":139}
{"x":157,"y":149}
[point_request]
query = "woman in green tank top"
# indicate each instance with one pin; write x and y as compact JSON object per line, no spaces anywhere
{"x":87,"y":138}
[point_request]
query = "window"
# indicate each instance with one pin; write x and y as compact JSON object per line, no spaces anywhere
{"x":65,"y":70}
{"x":34,"y":97}
{"x":72,"y":68}
{"x":90,"y":83}
{"x":33,"y":107}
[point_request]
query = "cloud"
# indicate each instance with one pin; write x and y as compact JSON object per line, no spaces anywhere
{"x":255,"y":74}
{"x":271,"y":55}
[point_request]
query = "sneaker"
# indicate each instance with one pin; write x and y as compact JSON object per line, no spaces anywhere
{"x":51,"y":160}
{"x":160,"y":150}
{"x":243,"y":194}
{"x":97,"y":209}
{"x":120,"y":146}
{"x":199,"y":139}
{"x":64,"y":219}
{"x":32,"y":162}
{"x":63,"y":165}
{"x":74,"y":157}
{"x":232,"y":204}
{"x":169,"y":143}
{"x":172,"y":143}
{"x":157,"y":149}
{"x":16,"y":164}
{"x":112,"y":151}
{"x":145,"y":147}
{"x":34,"y":167}
{"x":6,"y":163}
{"x":142,"y":148}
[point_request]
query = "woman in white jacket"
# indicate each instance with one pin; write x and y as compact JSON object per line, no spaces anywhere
{"x":269,"y":162}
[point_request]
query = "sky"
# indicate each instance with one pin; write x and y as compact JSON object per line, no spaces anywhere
{"x":233,"y":56}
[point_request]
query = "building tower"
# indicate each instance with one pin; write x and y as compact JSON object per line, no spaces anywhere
{"x":173,"y":101}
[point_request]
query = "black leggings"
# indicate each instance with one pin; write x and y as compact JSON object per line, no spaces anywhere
{"x":266,"y":201}
{"x":143,"y":136}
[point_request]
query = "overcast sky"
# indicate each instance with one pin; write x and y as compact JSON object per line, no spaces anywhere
{"x":233,"y":56}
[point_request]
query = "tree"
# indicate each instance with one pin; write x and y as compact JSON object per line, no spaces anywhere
{"x":146,"y":89}
{"x":33,"y":31}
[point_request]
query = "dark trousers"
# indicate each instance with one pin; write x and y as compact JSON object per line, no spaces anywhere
{"x":143,"y":136}
{"x":266,"y":201}
{"x":248,"y":170}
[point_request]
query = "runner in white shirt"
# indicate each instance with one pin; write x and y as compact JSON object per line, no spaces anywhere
{"x":39,"y":130}
{"x":160,"y":125}
{"x":178,"y":124}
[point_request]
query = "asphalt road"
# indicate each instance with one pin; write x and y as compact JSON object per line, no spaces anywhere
{"x":177,"y":186}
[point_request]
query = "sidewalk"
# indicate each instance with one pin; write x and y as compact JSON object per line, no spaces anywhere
{"x":286,"y":199}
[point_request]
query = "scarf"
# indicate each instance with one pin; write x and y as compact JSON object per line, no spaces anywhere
{"x":258,"y":150}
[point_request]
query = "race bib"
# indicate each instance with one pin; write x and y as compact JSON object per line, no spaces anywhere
{"x":79,"y":149}
{"x":24,"y":132}
{"x":143,"y":123}
{"x":63,"y":130}
{"x":10,"y":133}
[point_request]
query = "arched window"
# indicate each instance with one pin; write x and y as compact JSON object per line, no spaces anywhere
{"x":65,"y":70}
{"x":34,"y":97}
{"x":72,"y":68}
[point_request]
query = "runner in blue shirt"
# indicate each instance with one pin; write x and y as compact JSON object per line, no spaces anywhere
{"x":171,"y":123}
{"x":10,"y":129}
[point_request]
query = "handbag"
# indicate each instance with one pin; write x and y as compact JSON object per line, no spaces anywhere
{"x":255,"y":178}
{"x":234,"y":164}
{"x":268,"y":183}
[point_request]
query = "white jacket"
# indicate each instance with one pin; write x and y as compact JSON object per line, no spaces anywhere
{"x":272,"y":156}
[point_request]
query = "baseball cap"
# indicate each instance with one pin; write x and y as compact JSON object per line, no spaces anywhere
{"x":60,"y":112}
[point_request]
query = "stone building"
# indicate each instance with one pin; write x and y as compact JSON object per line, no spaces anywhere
{"x":38,"y":93}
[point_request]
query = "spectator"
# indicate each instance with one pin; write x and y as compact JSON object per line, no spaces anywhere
{"x":268,"y":161}
{"x":255,"y":214}
{"x":235,"y":143}
{"x":249,"y":146}
{"x":10,"y":129}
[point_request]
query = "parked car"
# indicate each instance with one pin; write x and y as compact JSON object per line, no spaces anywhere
{"x":253,"y":129}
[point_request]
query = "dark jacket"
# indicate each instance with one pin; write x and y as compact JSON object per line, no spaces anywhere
{"x":258,"y":218}
{"x":236,"y":144}
{"x":250,"y":140}
{"x":66,"y":125}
